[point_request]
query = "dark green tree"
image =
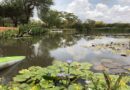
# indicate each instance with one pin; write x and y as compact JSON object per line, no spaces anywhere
{"x":52,"y":18}
{"x":71,"y":19}
{"x":21,"y":10}
{"x":58,"y":19}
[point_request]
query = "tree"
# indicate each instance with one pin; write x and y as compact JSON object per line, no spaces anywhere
{"x":90,"y":25}
{"x":21,"y":10}
{"x":58,"y":19}
{"x":100,"y":24}
{"x":52,"y":18}
{"x":71,"y":19}
{"x":79,"y":26}
{"x":29,"y":5}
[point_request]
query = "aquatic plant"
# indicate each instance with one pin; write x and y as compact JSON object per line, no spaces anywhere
{"x":66,"y":76}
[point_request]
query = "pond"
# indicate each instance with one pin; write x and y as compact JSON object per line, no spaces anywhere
{"x":42,"y":51}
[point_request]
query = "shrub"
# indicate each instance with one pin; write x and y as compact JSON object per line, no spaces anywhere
{"x":8,"y":34}
{"x":32,"y":29}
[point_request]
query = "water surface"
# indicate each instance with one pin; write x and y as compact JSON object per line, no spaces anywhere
{"x":42,"y":51}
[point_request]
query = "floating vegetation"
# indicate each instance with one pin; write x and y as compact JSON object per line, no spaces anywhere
{"x":66,"y":76}
{"x":114,"y":46}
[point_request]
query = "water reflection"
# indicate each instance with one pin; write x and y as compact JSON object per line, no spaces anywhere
{"x":80,"y":53}
{"x":36,"y":50}
{"x":41,"y":51}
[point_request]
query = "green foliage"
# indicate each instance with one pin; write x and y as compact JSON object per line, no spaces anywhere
{"x":66,"y":76}
{"x":31,"y":29}
{"x":23,"y":29}
{"x":8,"y":34}
{"x":56,"y":19}
{"x":56,"y":76}
{"x":20,"y":11}
{"x":52,"y":18}
{"x":38,"y":31}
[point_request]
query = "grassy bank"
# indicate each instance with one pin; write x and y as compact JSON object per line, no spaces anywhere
{"x":35,"y":29}
{"x":23,"y":31}
{"x":8,"y":34}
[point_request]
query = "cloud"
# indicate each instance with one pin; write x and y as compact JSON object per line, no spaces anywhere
{"x":124,"y":2}
{"x":79,"y":7}
{"x":119,"y":12}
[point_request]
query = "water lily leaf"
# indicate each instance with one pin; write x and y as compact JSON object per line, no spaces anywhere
{"x":46,"y":84}
{"x":14,"y":88}
{"x":57,"y":88}
{"x":24,"y":71}
{"x":21,"y":78}
{"x":86,"y":66}
{"x":75,"y":87}
{"x":35,"y":88}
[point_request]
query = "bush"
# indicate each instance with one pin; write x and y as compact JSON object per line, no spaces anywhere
{"x":38,"y":31}
{"x":32,"y":29}
{"x":8,"y":34}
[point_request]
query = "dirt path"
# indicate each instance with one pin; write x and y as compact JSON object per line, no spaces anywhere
{"x":8,"y":28}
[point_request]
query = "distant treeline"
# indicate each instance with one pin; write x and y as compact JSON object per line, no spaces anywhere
{"x":92,"y":27}
{"x":18,"y":12}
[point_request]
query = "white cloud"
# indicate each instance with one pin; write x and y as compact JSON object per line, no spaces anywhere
{"x":124,"y":2}
{"x":120,"y":12}
{"x":79,"y":7}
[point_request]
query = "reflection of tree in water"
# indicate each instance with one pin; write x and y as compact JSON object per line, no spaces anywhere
{"x":59,"y":40}
{"x":15,"y":47}
{"x":26,"y":47}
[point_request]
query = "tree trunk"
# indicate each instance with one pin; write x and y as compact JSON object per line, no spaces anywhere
{"x":27,"y":19}
{"x":15,"y":21}
{"x":3,"y":23}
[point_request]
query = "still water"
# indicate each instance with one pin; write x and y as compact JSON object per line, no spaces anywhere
{"x":42,"y":51}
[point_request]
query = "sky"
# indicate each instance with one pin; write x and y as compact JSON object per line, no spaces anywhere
{"x":109,"y":11}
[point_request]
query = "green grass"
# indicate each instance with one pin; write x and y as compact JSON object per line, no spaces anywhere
{"x":11,"y":58}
